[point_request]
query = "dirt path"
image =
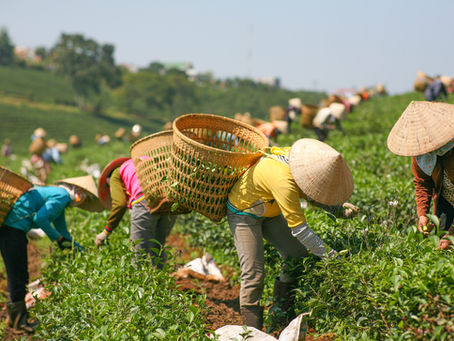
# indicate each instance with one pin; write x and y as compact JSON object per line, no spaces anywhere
{"x":222,"y":298}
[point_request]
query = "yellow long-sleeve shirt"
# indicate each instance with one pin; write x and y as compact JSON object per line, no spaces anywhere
{"x":267,"y":189}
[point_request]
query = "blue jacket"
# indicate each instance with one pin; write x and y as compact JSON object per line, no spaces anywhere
{"x":41,"y":207}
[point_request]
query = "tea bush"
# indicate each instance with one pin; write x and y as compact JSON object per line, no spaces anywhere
{"x":390,"y":283}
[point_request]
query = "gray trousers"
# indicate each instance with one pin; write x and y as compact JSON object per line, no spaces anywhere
{"x":149,"y":232}
{"x":248,"y":233}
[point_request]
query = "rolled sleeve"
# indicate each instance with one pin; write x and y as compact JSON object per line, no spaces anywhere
{"x":119,"y":200}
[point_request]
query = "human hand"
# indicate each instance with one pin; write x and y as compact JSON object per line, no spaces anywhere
{"x":78,"y":247}
{"x":424,"y":226}
{"x":350,"y":210}
{"x":100,"y":238}
{"x":64,"y":243}
{"x":332,"y":254}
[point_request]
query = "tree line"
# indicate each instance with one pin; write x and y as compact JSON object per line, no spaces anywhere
{"x":98,"y":83}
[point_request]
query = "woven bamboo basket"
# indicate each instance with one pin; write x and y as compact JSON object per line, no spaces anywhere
{"x":308,"y":112}
{"x":12,"y":186}
{"x":277,"y":113}
{"x":209,"y":154}
{"x":151,"y":157}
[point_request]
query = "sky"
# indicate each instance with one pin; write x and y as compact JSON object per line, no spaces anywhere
{"x":320,"y":45}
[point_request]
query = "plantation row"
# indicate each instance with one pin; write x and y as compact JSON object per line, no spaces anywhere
{"x":391,"y":284}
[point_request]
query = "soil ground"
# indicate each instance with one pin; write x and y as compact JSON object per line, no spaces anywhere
{"x":221,"y":297}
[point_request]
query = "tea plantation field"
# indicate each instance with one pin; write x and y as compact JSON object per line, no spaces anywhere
{"x":390,"y":284}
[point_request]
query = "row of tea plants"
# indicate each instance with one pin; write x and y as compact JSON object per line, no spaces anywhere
{"x":390,"y":282}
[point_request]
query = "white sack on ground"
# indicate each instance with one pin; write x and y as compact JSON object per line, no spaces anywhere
{"x":295,"y":331}
{"x":204,"y":266}
{"x":36,"y":290}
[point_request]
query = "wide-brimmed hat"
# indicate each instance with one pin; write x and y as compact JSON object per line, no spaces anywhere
{"x":87,"y":184}
{"x":338,"y":110}
{"x":103,"y":184}
{"x":40,"y":132}
{"x":354,"y":100}
{"x":423,"y":127}
{"x":295,"y":102}
{"x":446,"y":80}
{"x":320,"y":172}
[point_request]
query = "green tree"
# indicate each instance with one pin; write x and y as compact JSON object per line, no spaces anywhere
{"x":87,"y":64}
{"x":41,"y":52}
{"x":156,"y":67}
{"x":6,"y":48}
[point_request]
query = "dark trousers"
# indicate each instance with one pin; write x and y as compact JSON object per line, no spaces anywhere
{"x":13,"y":246}
{"x":322,"y":134}
{"x":445,"y":211}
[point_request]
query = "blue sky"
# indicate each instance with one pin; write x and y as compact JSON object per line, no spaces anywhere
{"x":317,"y":44}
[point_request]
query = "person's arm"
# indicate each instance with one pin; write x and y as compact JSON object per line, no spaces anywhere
{"x":119,"y":201}
{"x":51,"y":211}
{"x":424,"y":187}
{"x":119,"y":206}
{"x":345,"y":211}
{"x":61,"y":227}
{"x":286,"y":193}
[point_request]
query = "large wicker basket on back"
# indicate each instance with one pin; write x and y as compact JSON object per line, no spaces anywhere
{"x":151,"y":157}
{"x":308,"y":112}
{"x":209,"y":154}
{"x":12,"y":186}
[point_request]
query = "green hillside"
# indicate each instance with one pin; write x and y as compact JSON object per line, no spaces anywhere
{"x":42,"y":86}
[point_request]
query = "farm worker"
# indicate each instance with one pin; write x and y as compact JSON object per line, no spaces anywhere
{"x":425,"y":131}
{"x":434,"y":90}
{"x":52,"y":154}
{"x":273,"y":129}
{"x":6,"y":148}
{"x":118,"y":190}
{"x":136,"y":131}
{"x":327,"y":119}
{"x":36,"y":149}
{"x":265,"y":203}
{"x":293,"y":110}
{"x":75,"y":141}
{"x":44,"y":208}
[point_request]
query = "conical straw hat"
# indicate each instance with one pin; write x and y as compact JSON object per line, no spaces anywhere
{"x":87,"y":184}
{"x":320,"y":172}
{"x":103,"y":186}
{"x":295,"y":102}
{"x":447,"y":81}
{"x":338,"y":110}
{"x":355,"y":99}
{"x":423,"y":127}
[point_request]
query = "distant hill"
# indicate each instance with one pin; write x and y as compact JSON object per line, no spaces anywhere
{"x":31,"y":98}
{"x":42,"y":86}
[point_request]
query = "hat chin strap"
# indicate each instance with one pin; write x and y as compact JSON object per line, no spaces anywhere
{"x":74,"y":194}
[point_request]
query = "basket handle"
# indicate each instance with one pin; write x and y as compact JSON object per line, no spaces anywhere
{"x":153,"y":210}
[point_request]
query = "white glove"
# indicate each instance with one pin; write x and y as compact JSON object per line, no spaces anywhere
{"x":35,"y":234}
{"x":312,"y":242}
{"x":100,"y":238}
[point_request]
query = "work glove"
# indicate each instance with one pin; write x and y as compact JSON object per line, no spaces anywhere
{"x":309,"y":239}
{"x":66,"y":243}
{"x":78,"y":247}
{"x":100,"y":238}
